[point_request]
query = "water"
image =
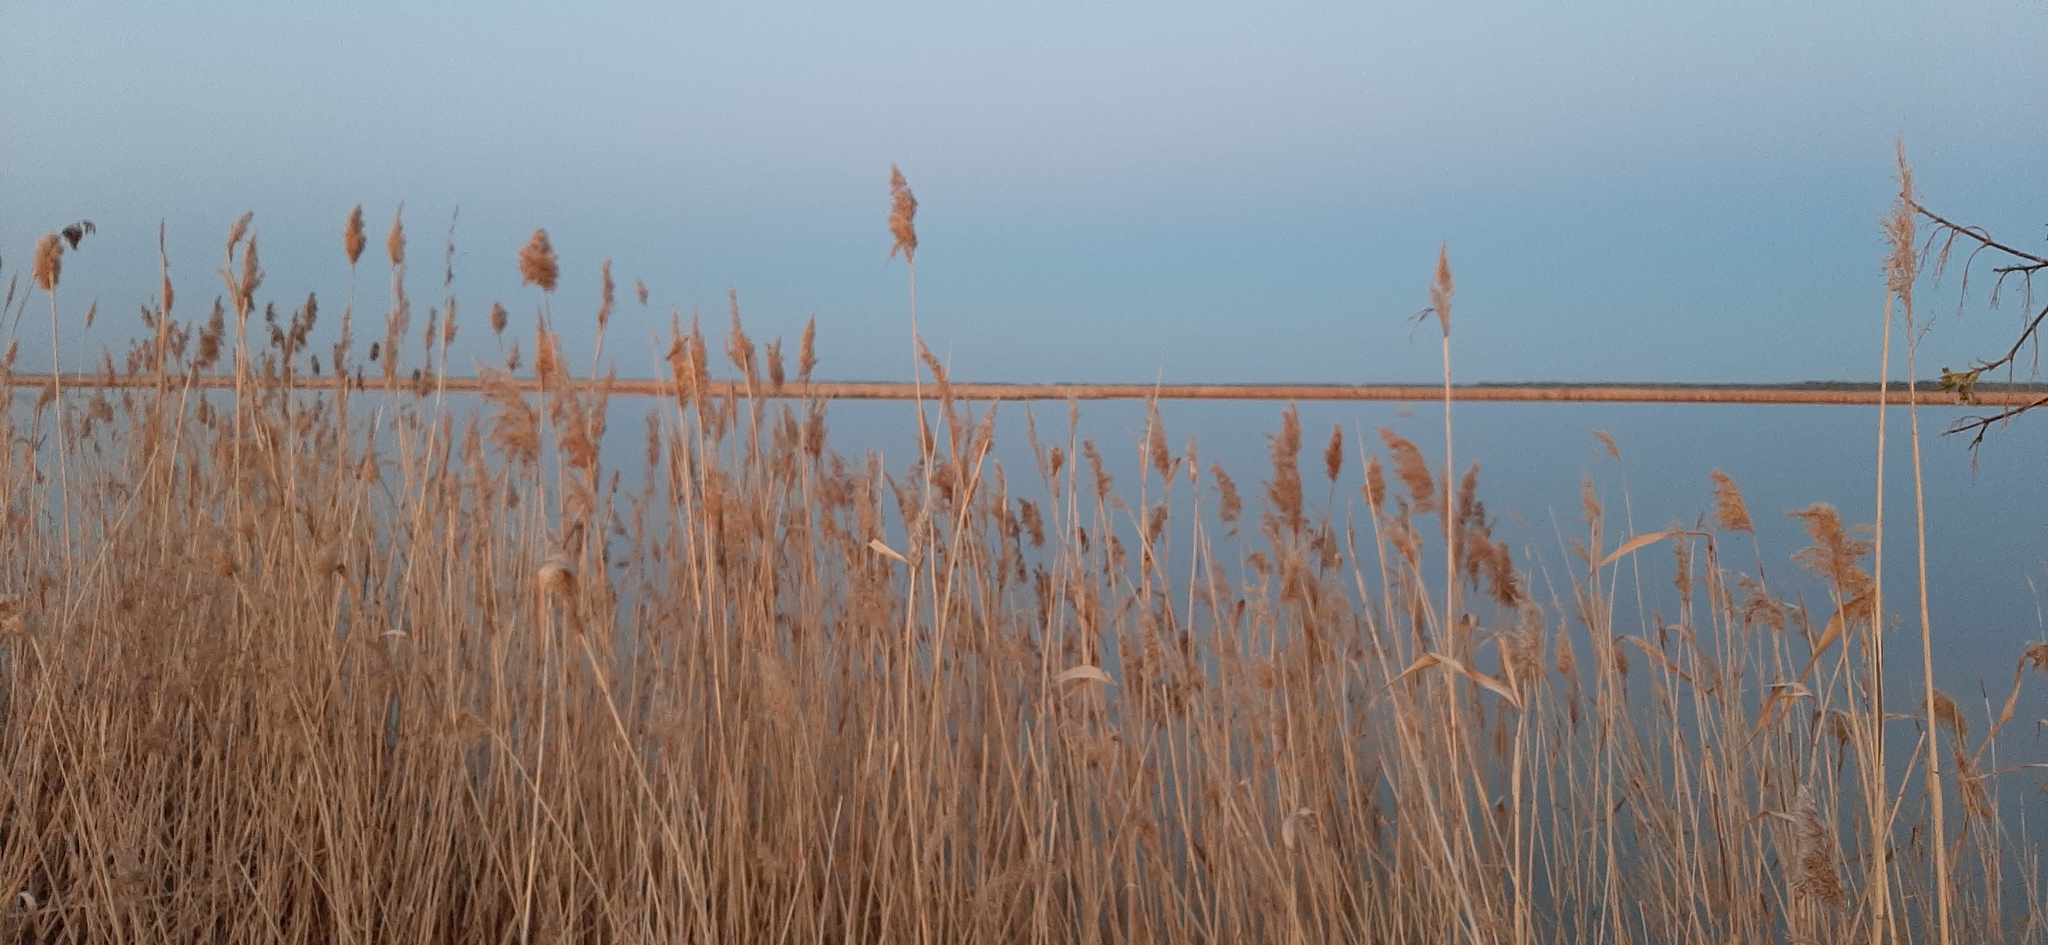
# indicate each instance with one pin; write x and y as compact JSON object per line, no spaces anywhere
{"x":1987,"y":515}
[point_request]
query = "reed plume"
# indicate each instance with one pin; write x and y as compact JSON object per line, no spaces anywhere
{"x":1228,"y":505}
{"x":1412,"y":470}
{"x":1441,"y":287}
{"x":1730,"y":514}
{"x":49,"y":262}
{"x":394,"y":239}
{"x":352,"y":235}
{"x":537,"y":264}
{"x":1816,"y":876}
{"x":806,"y":350}
{"x":1157,"y":455}
{"x":1375,"y":488}
{"x":902,"y":217}
{"x":1283,"y":491}
{"x":252,"y":275}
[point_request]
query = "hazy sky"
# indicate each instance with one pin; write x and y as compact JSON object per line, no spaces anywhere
{"x":1109,"y":191}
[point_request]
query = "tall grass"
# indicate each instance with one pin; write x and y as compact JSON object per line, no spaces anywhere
{"x":370,"y":665}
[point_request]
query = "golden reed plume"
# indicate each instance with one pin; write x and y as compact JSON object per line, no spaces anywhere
{"x":902,"y":217}
{"x":537,"y":262}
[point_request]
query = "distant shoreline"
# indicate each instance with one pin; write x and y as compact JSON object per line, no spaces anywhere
{"x":1799,"y":392}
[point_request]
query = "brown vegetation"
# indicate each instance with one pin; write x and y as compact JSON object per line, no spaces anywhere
{"x":364,"y":666}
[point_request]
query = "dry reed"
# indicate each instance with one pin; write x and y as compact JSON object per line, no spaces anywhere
{"x":431,"y":671}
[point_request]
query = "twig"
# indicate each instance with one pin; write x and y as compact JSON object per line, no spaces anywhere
{"x":1982,"y":425}
{"x":1964,"y":382}
{"x":1983,"y":236}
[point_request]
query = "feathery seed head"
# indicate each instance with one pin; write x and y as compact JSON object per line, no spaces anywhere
{"x":252,"y":273}
{"x":537,"y":262}
{"x":604,"y":304}
{"x":1375,"y":484}
{"x":1607,"y":443}
{"x":547,"y":355}
{"x":1730,"y":513}
{"x":806,"y":350}
{"x":394,"y":241}
{"x":498,"y":318}
{"x":775,"y":373}
{"x":1284,"y":489}
{"x":1412,"y":470}
{"x":1814,"y":872}
{"x":1156,"y":453}
{"x":739,"y":348}
{"x":1834,"y":554}
{"x":352,"y":235}
{"x":49,"y":262}
{"x":1902,"y":265}
{"x":1228,"y":504}
{"x":236,"y":232}
{"x":902,"y":217}
{"x":1441,"y":287}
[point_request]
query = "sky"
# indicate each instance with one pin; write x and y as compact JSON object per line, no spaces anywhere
{"x":1125,"y":191}
{"x":1111,"y":192}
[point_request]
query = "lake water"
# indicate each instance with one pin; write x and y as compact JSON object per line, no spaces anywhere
{"x":1987,"y":515}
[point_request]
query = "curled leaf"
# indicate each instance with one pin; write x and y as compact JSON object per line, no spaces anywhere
{"x":1086,"y":672}
{"x":1635,"y":544}
{"x":886,"y":551}
{"x":1287,"y":828}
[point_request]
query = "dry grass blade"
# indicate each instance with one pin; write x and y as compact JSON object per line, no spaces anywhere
{"x":886,"y":551}
{"x":1490,"y":683}
{"x":1085,"y":673}
{"x":1637,"y":544}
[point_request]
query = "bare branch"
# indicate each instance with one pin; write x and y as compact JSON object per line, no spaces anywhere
{"x":2026,"y":264}
{"x":1979,"y":426}
{"x":1980,"y":235}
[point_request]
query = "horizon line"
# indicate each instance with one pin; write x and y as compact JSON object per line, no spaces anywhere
{"x":1794,"y":392}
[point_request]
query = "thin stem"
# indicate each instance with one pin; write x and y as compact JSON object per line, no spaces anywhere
{"x":57,"y":402}
{"x":1880,"y":888}
{"x":1934,"y":793}
{"x":1449,"y":506}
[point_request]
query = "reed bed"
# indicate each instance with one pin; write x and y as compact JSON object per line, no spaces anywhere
{"x":377,"y":664}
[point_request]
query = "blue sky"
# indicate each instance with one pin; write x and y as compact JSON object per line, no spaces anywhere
{"x":1199,"y":192}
